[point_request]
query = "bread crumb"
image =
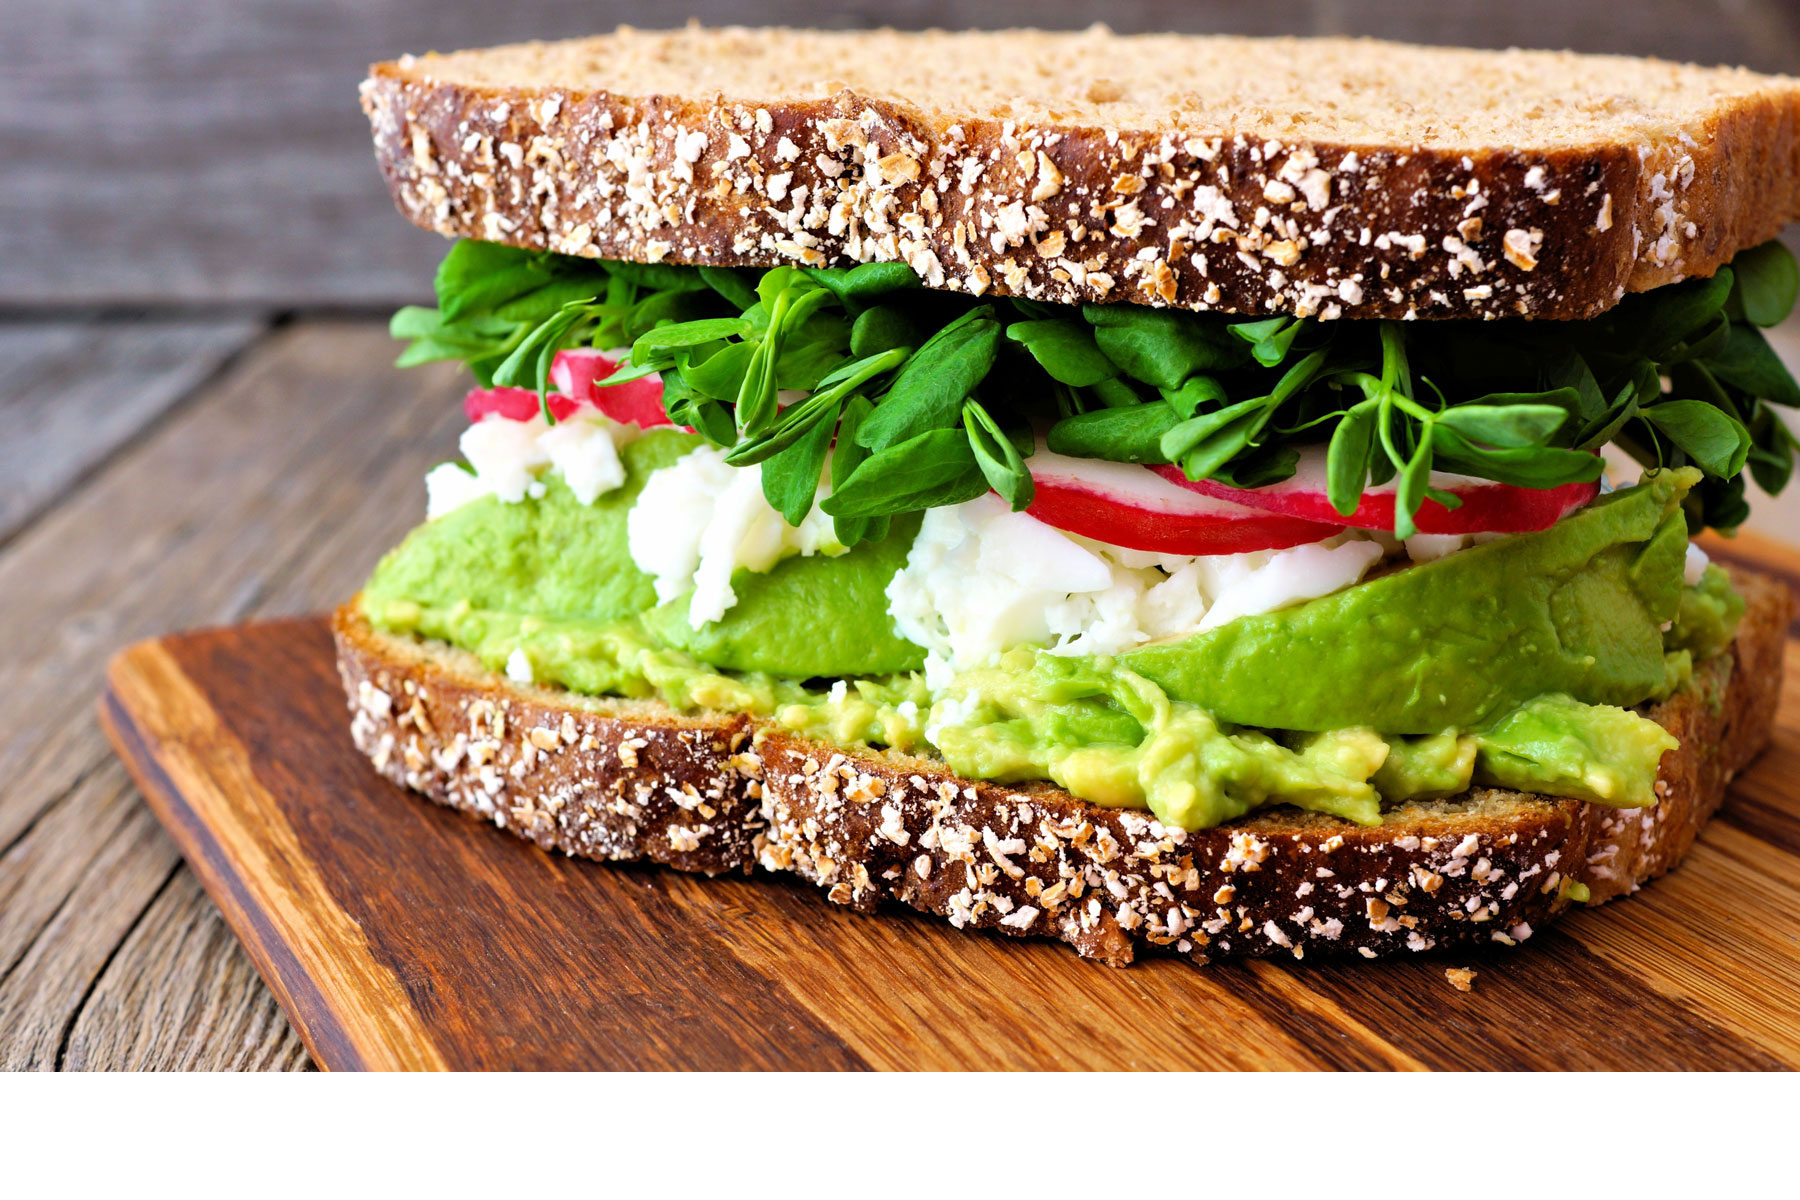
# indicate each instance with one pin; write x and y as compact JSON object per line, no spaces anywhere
{"x":1461,"y":978}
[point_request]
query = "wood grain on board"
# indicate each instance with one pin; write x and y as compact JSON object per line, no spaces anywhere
{"x":399,"y":934}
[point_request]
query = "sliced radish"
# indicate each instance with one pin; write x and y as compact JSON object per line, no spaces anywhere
{"x":515,"y":404}
{"x":1126,"y":505}
{"x":1487,"y":507}
{"x":577,"y":372}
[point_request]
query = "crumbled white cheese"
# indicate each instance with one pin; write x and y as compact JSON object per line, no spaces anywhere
{"x":505,"y":458}
{"x":1695,"y":566}
{"x":585,"y":451}
{"x":518,"y":667}
{"x":1427,"y":547}
{"x":698,"y":520}
{"x":981,"y":579}
{"x":1243,"y":585}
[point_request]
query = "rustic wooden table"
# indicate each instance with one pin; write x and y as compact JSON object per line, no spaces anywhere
{"x":201,"y":423}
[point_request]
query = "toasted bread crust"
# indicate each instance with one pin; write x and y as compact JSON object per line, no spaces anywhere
{"x":869,"y":826}
{"x":1199,"y":218}
{"x":611,"y":780}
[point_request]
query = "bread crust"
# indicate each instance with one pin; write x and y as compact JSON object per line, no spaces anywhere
{"x":1206,"y":219}
{"x":871,"y":826}
{"x":606,"y":779}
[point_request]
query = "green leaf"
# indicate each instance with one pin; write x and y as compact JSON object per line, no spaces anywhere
{"x":664,"y":308}
{"x":1414,"y":479}
{"x":1347,"y":458}
{"x":1195,"y":391}
{"x":1220,"y":447}
{"x":1529,"y":467}
{"x":794,"y":423}
{"x":777,"y":280}
{"x":655,"y":364}
{"x":1502,"y":424}
{"x":414,"y":321}
{"x":999,"y":460}
{"x":853,"y":373}
{"x":859,"y":283}
{"x":733,"y":284}
{"x":711,"y":419}
{"x":880,"y":328}
{"x":846,"y":456}
{"x":1114,"y":393}
{"x":1269,"y":339}
{"x":1680,"y":310}
{"x":1767,"y":283}
{"x":433,"y":340}
{"x":1131,"y":434}
{"x":533,"y":307}
{"x":1260,"y":467}
{"x":660,"y":277}
{"x":1298,"y":376}
{"x":716,"y":373}
{"x":757,"y":402}
{"x":1717,"y":444}
{"x":1749,"y":364}
{"x":481,"y":276}
{"x":691,"y":333}
{"x":934,"y":468}
{"x":1066,"y":349}
{"x":810,"y":351}
{"x":928,"y":391}
{"x":528,"y":366}
{"x":1259,"y":331}
{"x":1721,"y":503}
{"x":1182,"y":439}
{"x":1568,"y":371}
{"x":789,"y":310}
{"x":1162,"y":346}
{"x":790,"y":479}
{"x":1772,"y":451}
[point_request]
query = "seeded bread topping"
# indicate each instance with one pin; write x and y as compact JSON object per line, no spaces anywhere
{"x":1575,"y":179}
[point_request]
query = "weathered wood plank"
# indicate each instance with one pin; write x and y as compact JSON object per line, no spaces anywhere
{"x":124,"y":860}
{"x":73,"y":392}
{"x":226,"y":159}
{"x":181,"y":995}
{"x":274,"y":491}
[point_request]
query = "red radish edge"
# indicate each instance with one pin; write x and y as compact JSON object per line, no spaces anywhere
{"x":1125,"y":505}
{"x":515,"y":404}
{"x":1487,"y":506}
{"x":576,"y":374}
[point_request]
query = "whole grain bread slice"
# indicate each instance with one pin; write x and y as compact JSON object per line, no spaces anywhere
{"x":1323,"y":177}
{"x":633,"y":780}
{"x":603,"y":778}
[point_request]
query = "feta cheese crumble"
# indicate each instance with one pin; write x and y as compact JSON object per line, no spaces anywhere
{"x":981,"y":579}
{"x":699,"y":519}
{"x":505,"y":458}
{"x":1695,"y":565}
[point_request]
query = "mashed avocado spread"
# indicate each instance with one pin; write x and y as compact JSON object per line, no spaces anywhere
{"x":1512,"y":664}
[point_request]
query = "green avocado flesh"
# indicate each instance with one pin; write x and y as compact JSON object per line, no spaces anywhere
{"x":1512,"y":664}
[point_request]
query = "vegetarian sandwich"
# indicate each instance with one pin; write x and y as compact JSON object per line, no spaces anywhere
{"x":1219,"y":494}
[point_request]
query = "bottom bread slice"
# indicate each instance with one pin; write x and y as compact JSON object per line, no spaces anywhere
{"x":624,"y":780}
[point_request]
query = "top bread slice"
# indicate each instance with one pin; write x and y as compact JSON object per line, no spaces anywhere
{"x":1326,"y":177}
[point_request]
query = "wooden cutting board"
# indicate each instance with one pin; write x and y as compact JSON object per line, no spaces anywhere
{"x":399,"y":934}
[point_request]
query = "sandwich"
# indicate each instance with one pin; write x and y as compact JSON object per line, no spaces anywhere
{"x":1224,"y":496}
